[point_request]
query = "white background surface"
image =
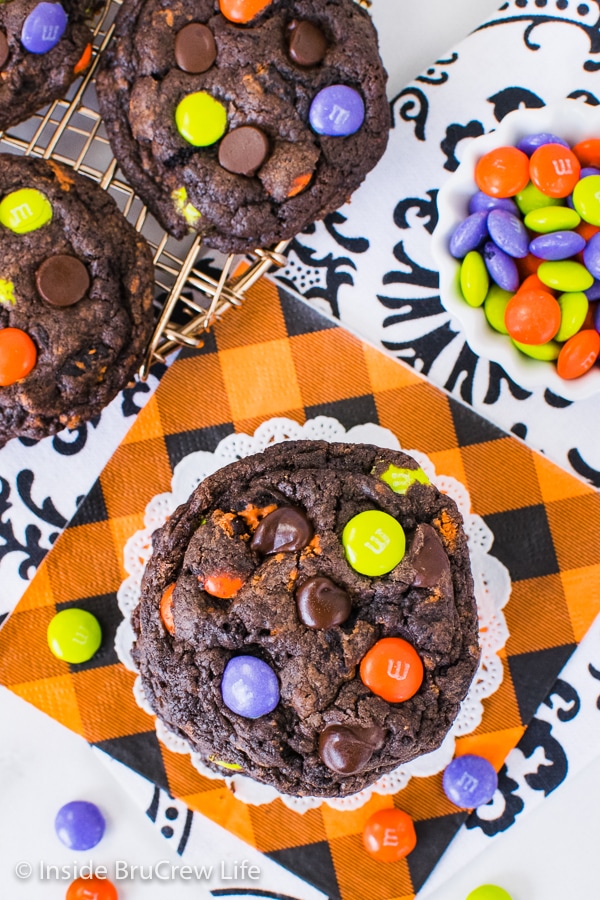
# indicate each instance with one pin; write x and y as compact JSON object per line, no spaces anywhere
{"x":549,"y":856}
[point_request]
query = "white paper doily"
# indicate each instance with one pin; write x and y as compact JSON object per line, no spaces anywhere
{"x":492,"y":590}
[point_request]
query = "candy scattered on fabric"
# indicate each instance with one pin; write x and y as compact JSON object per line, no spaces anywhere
{"x":79,"y":825}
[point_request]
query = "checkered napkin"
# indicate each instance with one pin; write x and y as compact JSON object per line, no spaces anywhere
{"x":279,"y":358}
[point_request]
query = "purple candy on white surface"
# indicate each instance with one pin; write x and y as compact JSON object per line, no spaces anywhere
{"x":79,"y":825}
{"x":531,"y":142}
{"x":508,"y":233}
{"x":43,"y":27}
{"x":480,"y":202}
{"x":337,"y":111}
{"x":470,"y":781}
{"x":557,"y":245}
{"x":249,"y":687}
{"x":467,"y":236}
{"x":501,"y":267}
{"x":591,"y":256}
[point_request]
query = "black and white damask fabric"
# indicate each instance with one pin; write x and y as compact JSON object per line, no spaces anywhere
{"x":43,"y":482}
{"x":370,"y":264}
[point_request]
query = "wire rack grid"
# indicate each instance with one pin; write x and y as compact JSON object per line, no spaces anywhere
{"x":194,"y":287}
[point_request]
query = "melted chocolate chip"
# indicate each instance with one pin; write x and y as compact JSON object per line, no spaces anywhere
{"x":195,"y":49}
{"x":285,"y":529}
{"x":321,"y":603}
{"x":307,"y":43}
{"x":244,"y":150}
{"x":4,"y":50}
{"x":347,"y":749}
{"x":428,"y":557}
{"x":62,"y":280}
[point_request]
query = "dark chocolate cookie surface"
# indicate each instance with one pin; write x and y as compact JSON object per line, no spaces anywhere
{"x":44,"y":46}
{"x":76,"y":289}
{"x":245,"y":132}
{"x":261,"y":641}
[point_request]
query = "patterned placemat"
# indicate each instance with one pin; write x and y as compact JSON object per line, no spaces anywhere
{"x":279,"y":357}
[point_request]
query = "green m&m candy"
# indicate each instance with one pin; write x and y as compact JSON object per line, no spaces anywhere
{"x":489,"y":892}
{"x":201,"y":120}
{"x":531,"y":198}
{"x":401,"y":479}
{"x":494,"y":307}
{"x":586,"y":199}
{"x":546,"y":352}
{"x":74,"y":635}
{"x":552,"y":218}
{"x":25,"y":210}
{"x":374,"y":542}
{"x":565,"y":275}
{"x":474,"y":279}
{"x":574,"y":309}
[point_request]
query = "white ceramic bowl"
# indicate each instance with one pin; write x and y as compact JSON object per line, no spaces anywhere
{"x":573,"y":121}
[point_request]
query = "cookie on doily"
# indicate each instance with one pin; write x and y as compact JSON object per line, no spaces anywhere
{"x":244,"y":121}
{"x":307,"y":617}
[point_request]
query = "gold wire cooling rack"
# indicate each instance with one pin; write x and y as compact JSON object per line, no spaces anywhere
{"x":194,"y":287}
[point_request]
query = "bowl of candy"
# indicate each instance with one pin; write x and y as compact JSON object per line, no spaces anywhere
{"x":517,"y":246}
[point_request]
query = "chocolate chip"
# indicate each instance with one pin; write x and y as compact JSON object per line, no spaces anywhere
{"x":62,"y":280}
{"x":244,"y":150}
{"x":428,"y":557}
{"x":195,"y":48}
{"x":307,"y":43}
{"x":4,"y":49}
{"x":284,"y":529}
{"x":347,"y":749}
{"x":321,"y":603}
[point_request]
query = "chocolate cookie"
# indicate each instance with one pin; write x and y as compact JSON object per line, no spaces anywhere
{"x":44,"y":46}
{"x":307,"y":617}
{"x":76,"y":289}
{"x":244,"y":121}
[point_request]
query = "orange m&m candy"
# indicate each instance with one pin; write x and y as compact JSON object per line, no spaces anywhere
{"x":84,"y":60}
{"x":18,"y":355}
{"x":166,"y":608}
{"x":532,"y":282}
{"x":389,"y":835}
{"x":554,"y":170}
{"x":392,"y":669}
{"x":93,"y":888}
{"x":578,"y":354}
{"x":241,"y":11}
{"x":223,"y":586}
{"x":588,"y":152}
{"x":532,"y":316}
{"x":502,"y":172}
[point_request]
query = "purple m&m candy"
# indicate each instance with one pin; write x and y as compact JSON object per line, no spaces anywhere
{"x":508,"y":233}
{"x":481,"y":202}
{"x":337,"y":111}
{"x":557,"y":245}
{"x":501,"y":267}
{"x":79,"y":825}
{"x":249,"y":687}
{"x":471,"y":232}
{"x":43,"y":27}
{"x":591,"y":258}
{"x":470,"y":781}
{"x":593,"y":293}
{"x":531,"y":142}
{"x":588,"y":170}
